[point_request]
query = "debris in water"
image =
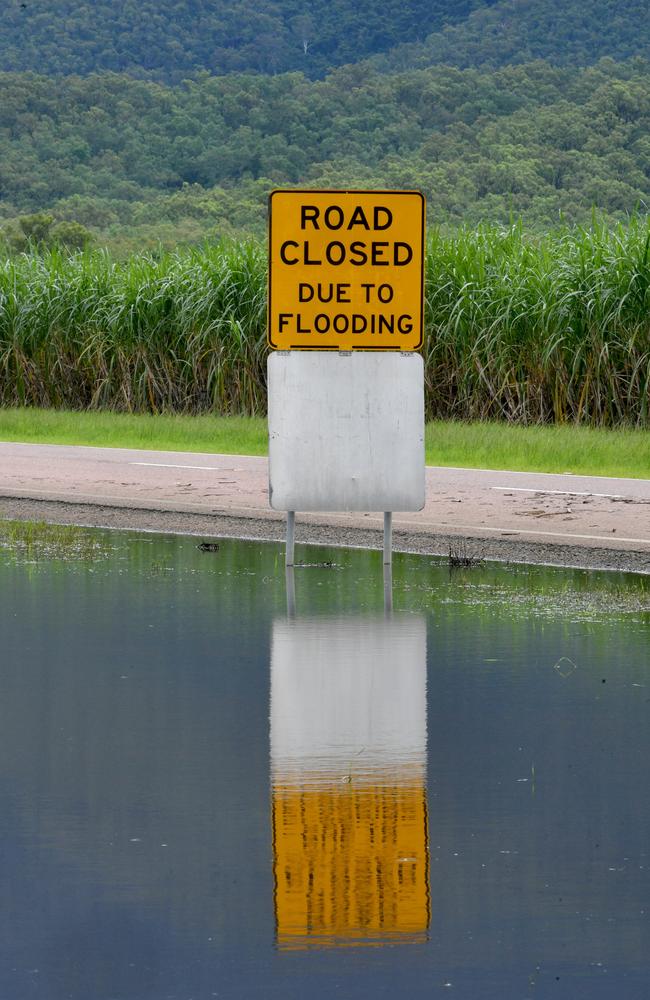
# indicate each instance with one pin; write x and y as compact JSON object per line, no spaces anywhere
{"x":461,"y":557}
{"x":565,"y":667}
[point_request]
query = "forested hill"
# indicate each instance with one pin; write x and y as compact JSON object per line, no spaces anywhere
{"x":170,"y":40}
{"x":173,"y":39}
{"x":511,"y":32}
{"x":538,"y":141}
{"x":170,"y":120}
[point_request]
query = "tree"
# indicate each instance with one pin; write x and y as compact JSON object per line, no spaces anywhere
{"x":41,"y":232}
{"x":71,"y":235}
{"x":304,"y":29}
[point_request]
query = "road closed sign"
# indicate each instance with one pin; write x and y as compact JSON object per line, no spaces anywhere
{"x":346,"y":270}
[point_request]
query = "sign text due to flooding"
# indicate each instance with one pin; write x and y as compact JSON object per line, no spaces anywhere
{"x":346,"y":270}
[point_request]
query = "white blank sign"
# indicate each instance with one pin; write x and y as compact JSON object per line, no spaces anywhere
{"x":346,"y":431}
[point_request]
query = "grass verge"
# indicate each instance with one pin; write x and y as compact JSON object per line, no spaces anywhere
{"x":579,"y":450}
{"x":165,"y":432}
{"x":587,"y":451}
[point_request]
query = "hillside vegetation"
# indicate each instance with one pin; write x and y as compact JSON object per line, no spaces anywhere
{"x":574,"y":33}
{"x":171,"y":120}
{"x":139,"y":161}
{"x":172,"y":39}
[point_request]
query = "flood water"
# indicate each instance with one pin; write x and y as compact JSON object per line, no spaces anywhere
{"x":217,"y":785}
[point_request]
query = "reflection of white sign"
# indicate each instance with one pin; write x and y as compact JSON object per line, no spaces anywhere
{"x":348,"y":689}
{"x":346,"y":432}
{"x":348,"y":748}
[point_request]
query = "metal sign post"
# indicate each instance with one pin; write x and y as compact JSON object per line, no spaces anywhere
{"x":388,"y":538}
{"x":289,"y":549}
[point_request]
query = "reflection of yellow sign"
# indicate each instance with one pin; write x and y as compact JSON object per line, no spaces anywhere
{"x":351,"y":862}
{"x":346,"y":270}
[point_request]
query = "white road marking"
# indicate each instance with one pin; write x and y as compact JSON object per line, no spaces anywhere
{"x":518,"y":472}
{"x":565,"y":493}
{"x":204,"y":468}
{"x":531,"y":531}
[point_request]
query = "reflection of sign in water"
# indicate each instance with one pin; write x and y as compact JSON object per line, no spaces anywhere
{"x":348,"y":746}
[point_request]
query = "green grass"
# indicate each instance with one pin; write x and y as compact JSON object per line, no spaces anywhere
{"x":34,"y":541}
{"x":580,"y":450}
{"x":165,"y":432}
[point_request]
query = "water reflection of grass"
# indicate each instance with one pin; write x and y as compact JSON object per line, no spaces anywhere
{"x":540,"y":591}
{"x":248,"y":568}
{"x":28,"y":541}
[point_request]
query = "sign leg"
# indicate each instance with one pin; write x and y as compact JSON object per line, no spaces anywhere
{"x":291,"y":524}
{"x":388,"y":538}
{"x":388,"y":589}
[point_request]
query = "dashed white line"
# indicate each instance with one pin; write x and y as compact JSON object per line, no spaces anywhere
{"x":204,"y":468}
{"x":518,"y":472}
{"x":565,"y":493}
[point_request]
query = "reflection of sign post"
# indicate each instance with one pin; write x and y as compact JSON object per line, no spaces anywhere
{"x":346,"y":270}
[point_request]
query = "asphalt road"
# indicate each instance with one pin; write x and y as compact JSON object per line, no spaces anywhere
{"x":582,"y":512}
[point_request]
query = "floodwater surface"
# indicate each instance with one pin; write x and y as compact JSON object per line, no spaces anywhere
{"x":220,"y":782}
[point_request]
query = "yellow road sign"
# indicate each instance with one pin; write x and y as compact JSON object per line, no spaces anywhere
{"x":346,"y":270}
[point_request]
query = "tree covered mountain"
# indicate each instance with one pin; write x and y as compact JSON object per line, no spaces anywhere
{"x":515,"y":107}
{"x":511,"y":32}
{"x":172,"y":39}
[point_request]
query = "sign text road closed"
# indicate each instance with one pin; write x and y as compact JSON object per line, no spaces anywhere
{"x":346,"y":270}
